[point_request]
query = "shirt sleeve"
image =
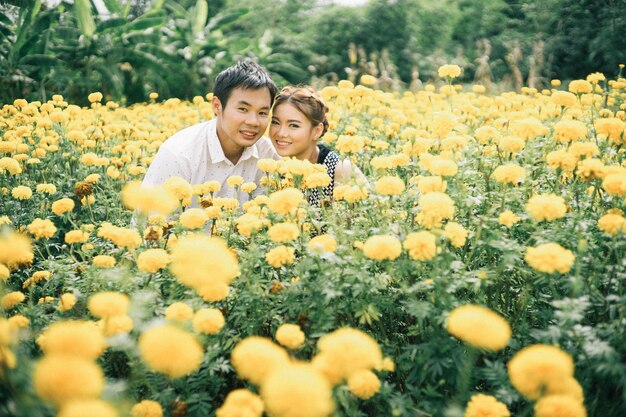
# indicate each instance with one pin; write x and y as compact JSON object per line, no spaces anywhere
{"x":165,"y":165}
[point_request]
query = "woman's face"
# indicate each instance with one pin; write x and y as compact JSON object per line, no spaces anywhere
{"x":292,"y":133}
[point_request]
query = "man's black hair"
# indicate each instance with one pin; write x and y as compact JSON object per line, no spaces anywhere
{"x":246,"y":75}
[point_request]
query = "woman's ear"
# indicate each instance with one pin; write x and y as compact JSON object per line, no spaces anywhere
{"x":318,"y":130}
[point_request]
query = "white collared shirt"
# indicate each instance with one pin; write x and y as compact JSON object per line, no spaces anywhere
{"x":196,"y":155}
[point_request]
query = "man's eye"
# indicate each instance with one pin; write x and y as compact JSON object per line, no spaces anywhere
{"x":274,"y":122}
{"x":243,"y":109}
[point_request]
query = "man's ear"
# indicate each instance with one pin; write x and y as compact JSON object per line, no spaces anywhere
{"x":217,"y":106}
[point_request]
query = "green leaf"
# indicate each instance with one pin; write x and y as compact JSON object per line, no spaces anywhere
{"x":113,"y":6}
{"x":227,"y":18}
{"x":40,"y":60}
{"x":110,"y":24}
{"x":143,"y":23}
{"x":201,"y":13}
{"x":82,"y":9}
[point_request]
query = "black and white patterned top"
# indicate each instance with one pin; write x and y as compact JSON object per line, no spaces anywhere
{"x":330,"y":159}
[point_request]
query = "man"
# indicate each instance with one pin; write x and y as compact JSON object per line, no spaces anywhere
{"x":229,"y":144}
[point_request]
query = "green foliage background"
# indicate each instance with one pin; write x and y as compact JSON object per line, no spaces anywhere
{"x":176,"y":47}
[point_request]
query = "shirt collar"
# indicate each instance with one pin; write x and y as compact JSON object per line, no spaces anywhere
{"x":217,"y":153}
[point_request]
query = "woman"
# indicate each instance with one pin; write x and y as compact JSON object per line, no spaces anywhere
{"x":298,"y":123}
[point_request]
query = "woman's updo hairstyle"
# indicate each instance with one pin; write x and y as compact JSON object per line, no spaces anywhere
{"x":306,"y":100}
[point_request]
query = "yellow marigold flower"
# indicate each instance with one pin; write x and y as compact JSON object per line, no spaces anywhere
{"x":479,"y":327}
{"x":148,"y":199}
{"x":254,"y":358}
{"x":449,"y":70}
{"x":5,"y":220}
{"x":92,"y":178}
{"x":580,"y":87}
{"x":285,"y":201}
{"x":345,"y":351}
{"x":248,"y":187}
{"x":114,"y":325}
{"x":595,"y":77}
{"x":193,"y":218}
{"x":567,"y":131}
{"x":234,"y":181}
{"x":297,"y":391}
{"x":87,"y":407}
{"x":479,"y":89}
{"x":563,"y":98}
{"x":170,"y":350}
{"x":42,"y":228}
{"x":364,"y":384}
{"x":345,"y":84}
{"x":108,"y":304}
{"x":349,"y":144}
{"x":283,"y":232}
{"x":269,"y":166}
{"x":208,"y":321}
{"x":509,"y":173}
{"x":382,"y":247}
{"x":248,"y":224}
{"x":179,"y":188}
{"x":367,"y":79}
{"x":199,"y":261}
{"x":612,"y":127}
{"x":179,"y":312}
{"x":535,"y":367}
{"x":390,"y":185}
{"x":72,"y":338}
{"x":511,"y":144}
{"x":431,"y":184}
{"x":611,"y":224}
{"x":67,"y":302}
{"x":21,"y":193}
{"x":103,"y":261}
{"x":456,"y":234}
{"x":147,"y":408}
{"x":62,"y":206}
{"x":590,"y":169}
{"x":559,"y":405}
{"x":508,"y":218}
{"x":481,"y":405}
{"x":388,"y":365}
{"x":615,"y":184}
{"x":215,"y":291}
{"x":546,"y":207}
{"x":4,"y":273}
{"x":421,"y":245}
{"x":241,"y":402}
{"x":586,"y":149}
{"x":322,"y":243}
{"x":280,"y":255}
{"x":95,"y":97}
{"x":290,"y":336}
{"x":18,"y":322}
{"x":46,"y":188}
{"x":434,"y":207}
{"x":317,"y":180}
{"x":15,"y":250}
{"x":10,"y":300}
{"x":561,"y":159}
{"x":36,"y":277}
{"x":351,"y":194}
{"x":76,"y":236}
{"x":62,"y":378}
{"x":442,"y":167}
{"x":549,"y":258}
{"x":11,"y":165}
{"x":151,"y":260}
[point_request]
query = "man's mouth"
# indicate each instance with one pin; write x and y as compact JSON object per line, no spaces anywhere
{"x":248,"y":134}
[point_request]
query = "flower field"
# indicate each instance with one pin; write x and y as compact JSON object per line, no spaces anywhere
{"x":478,"y":271}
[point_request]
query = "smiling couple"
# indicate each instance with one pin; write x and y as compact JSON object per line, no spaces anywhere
{"x":230,"y":144}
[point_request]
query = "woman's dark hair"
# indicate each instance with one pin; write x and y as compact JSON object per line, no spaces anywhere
{"x":246,"y":75}
{"x":306,"y":100}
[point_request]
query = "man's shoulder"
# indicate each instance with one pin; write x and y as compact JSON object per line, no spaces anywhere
{"x":266,"y":149}
{"x":188,"y":138}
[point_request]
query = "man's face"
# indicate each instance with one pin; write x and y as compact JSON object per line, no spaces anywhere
{"x":244,"y":119}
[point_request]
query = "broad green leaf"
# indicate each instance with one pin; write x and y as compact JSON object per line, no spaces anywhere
{"x":201,"y":12}
{"x":87,"y":26}
{"x":113,"y":6}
